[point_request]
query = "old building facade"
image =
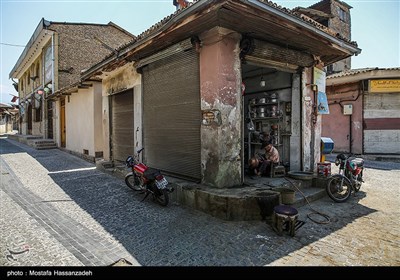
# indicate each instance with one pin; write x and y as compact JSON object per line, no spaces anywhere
{"x":337,"y":17}
{"x":364,"y":111}
{"x":53,"y":60}
{"x":197,"y":74}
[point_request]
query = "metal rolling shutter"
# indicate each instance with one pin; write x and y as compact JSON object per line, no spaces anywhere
{"x":122,"y":127}
{"x":172,"y":116}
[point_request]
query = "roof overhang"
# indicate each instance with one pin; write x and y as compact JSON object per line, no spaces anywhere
{"x":355,"y":75}
{"x":255,"y":18}
{"x":33,"y":49}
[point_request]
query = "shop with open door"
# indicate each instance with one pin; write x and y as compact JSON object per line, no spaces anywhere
{"x":271,"y":113}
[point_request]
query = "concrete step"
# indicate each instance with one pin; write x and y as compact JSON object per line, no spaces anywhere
{"x":245,"y":202}
{"x":45,"y":147}
{"x":23,"y":138}
{"x":253,"y":200}
{"x":42,"y":144}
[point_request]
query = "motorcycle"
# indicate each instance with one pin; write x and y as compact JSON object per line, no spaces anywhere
{"x":348,"y":180}
{"x":147,"y":180}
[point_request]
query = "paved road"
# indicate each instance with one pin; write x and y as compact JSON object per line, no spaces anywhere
{"x":57,"y":209}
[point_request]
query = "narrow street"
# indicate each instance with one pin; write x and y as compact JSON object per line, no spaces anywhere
{"x":58,"y":210}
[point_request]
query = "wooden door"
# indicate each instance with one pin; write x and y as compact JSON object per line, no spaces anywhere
{"x":62,"y":124}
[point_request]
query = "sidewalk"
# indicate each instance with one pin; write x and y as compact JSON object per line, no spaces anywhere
{"x":251,"y":201}
{"x":241,"y":203}
{"x":61,"y":210}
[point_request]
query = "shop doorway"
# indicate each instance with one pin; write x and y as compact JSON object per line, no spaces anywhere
{"x":267,"y":112}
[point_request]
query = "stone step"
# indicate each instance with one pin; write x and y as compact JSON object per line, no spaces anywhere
{"x":42,"y":144}
{"x":47,"y":146}
{"x":240,"y":203}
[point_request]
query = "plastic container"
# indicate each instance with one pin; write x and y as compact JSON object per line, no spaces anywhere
{"x":324,"y":169}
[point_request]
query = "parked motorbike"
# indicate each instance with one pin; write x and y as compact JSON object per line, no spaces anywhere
{"x":147,"y":180}
{"x":348,"y":180}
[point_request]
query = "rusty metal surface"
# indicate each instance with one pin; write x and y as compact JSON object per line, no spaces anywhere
{"x":276,"y":25}
{"x":172,"y":116}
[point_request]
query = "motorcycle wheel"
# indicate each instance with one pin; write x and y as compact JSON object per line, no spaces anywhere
{"x":133,"y":182}
{"x":357,"y":186}
{"x":161,"y":196}
{"x":338,"y":188}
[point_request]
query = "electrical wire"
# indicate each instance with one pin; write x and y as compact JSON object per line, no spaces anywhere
{"x":314,"y":212}
{"x":12,"y":45}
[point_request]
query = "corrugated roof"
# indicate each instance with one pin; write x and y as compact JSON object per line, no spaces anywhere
{"x":353,"y":72}
{"x":158,"y":25}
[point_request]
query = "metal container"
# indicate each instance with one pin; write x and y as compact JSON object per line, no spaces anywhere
{"x":262,"y":114}
{"x":262,"y":109}
{"x":262,"y":100}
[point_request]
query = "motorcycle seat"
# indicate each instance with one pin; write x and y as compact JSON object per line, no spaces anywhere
{"x":151,"y":173}
{"x":359,"y":162}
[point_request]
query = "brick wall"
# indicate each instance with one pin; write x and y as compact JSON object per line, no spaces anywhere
{"x":82,"y":45}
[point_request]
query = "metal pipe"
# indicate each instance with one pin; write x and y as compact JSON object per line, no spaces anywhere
{"x":351,"y":138}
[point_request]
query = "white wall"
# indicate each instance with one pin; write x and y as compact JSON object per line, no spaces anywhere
{"x":97,"y":119}
{"x":79,"y":117}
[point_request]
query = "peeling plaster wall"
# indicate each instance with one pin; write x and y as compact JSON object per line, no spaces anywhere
{"x":220,"y":82}
{"x":119,"y":80}
{"x":311,"y":135}
{"x":295,"y":138}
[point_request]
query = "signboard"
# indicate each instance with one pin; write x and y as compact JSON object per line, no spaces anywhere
{"x":319,"y":79}
{"x":388,"y":85}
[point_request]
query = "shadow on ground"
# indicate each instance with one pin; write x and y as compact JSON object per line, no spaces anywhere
{"x":174,"y":235}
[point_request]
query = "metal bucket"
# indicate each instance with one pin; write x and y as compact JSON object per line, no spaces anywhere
{"x":287,"y":195}
{"x":267,"y":201}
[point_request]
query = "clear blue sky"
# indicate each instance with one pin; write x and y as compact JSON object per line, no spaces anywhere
{"x":375,"y":26}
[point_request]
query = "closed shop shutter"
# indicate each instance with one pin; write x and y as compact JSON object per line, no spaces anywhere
{"x":122,"y":127}
{"x":172,"y":116}
{"x":381,"y":123}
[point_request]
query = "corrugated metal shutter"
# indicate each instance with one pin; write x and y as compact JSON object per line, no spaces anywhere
{"x":172,"y":116}
{"x":381,"y":123}
{"x":122,"y":127}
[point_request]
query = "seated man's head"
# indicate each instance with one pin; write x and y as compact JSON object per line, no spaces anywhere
{"x":253,"y":162}
{"x":267,"y":146}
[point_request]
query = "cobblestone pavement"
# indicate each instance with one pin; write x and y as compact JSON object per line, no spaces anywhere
{"x":57,"y":209}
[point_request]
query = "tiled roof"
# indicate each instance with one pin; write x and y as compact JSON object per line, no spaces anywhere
{"x":353,"y":72}
{"x":158,"y":25}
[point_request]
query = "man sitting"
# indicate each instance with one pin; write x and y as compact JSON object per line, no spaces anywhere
{"x":261,"y":164}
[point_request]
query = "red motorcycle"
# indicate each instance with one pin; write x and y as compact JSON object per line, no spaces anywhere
{"x":349,"y":179}
{"x":147,"y":180}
